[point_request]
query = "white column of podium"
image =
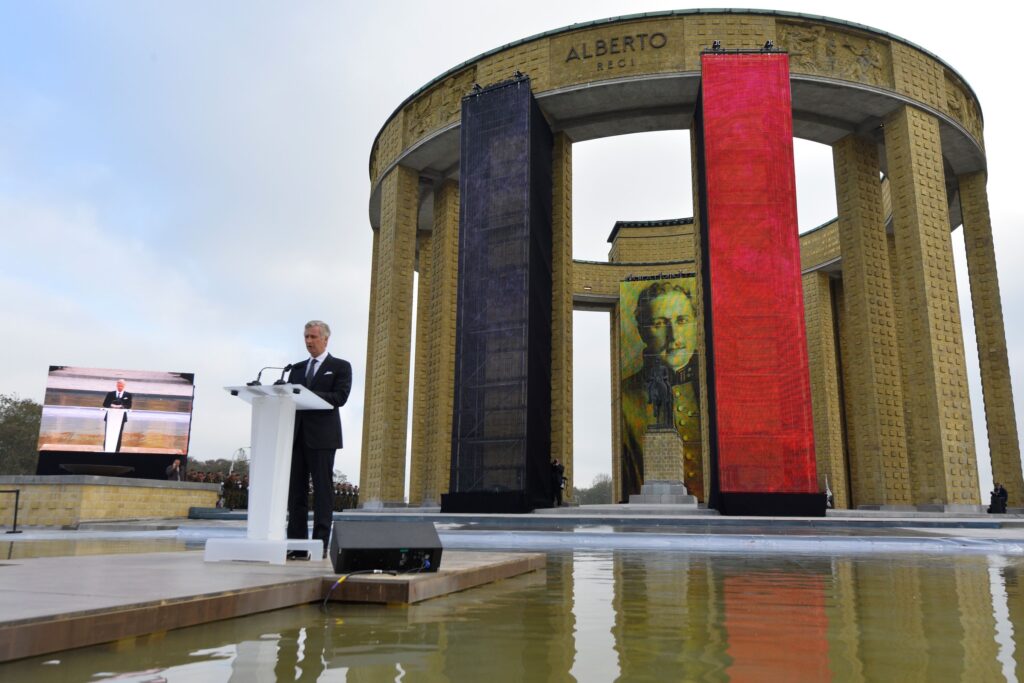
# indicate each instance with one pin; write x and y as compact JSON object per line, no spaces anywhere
{"x":273,"y":427}
{"x":115,"y":419}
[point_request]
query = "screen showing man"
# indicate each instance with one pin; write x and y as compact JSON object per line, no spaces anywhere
{"x":317,"y":437}
{"x":659,"y":339}
{"x":116,"y":412}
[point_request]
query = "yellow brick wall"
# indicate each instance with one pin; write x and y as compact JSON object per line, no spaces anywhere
{"x":919,"y":76}
{"x":655,"y":244}
{"x":663,"y":455}
{"x":819,"y":246}
{"x":734,"y":30}
{"x":70,"y":504}
{"x":603,"y":279}
{"x":530,"y":59}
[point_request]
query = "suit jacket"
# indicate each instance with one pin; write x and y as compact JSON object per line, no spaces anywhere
{"x":321,"y":429}
{"x":112,"y":401}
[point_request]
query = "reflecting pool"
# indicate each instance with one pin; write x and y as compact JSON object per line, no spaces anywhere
{"x":619,"y":616}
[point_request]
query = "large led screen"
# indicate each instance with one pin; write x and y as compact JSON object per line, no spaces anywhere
{"x":658,"y":328}
{"x":764,"y":429}
{"x":116,"y":411}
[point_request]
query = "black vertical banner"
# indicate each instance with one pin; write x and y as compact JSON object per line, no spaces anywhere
{"x":501,"y":431}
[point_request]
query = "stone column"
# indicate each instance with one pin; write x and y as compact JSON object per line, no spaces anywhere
{"x":821,"y":353}
{"x":421,"y":488}
{"x":939,"y":429}
{"x":702,"y":347}
{"x":616,"y":374}
{"x":849,"y":431}
{"x":877,"y":398}
{"x":435,"y":352}
{"x":382,"y":479}
{"x":368,"y":385}
{"x":561,"y":305}
{"x":1000,"y":418}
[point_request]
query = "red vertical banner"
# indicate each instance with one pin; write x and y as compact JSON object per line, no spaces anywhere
{"x":765,"y":434}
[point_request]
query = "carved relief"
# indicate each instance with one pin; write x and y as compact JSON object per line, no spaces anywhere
{"x":439,"y":106}
{"x":373,"y":160}
{"x":812,"y":49}
{"x":861,"y":60}
{"x":962,"y":107}
{"x":826,"y":52}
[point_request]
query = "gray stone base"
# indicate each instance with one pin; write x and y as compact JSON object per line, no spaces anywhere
{"x":889,"y":508}
{"x":381,"y":505}
{"x":954,"y":508}
{"x":927,"y":507}
{"x":663,"y":493}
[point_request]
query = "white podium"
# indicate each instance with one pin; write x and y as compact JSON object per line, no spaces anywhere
{"x":114,"y":419}
{"x":273,"y":427}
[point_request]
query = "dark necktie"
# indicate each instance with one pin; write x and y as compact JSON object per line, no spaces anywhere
{"x":311,"y":366}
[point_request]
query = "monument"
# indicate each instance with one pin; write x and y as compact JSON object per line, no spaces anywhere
{"x":885,"y":376}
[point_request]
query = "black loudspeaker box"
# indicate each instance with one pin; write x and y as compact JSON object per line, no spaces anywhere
{"x":389,"y":546}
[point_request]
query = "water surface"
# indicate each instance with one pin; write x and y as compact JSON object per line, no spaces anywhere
{"x":619,"y":616}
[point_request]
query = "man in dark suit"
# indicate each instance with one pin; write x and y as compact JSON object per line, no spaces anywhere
{"x":317,"y":435}
{"x":119,"y":398}
{"x":114,"y":422}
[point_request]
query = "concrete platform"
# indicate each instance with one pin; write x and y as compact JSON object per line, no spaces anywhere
{"x":51,"y":604}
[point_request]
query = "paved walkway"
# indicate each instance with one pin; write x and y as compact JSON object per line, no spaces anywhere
{"x":48,"y":604}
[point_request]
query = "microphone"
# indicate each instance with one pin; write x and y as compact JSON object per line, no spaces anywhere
{"x":283,"y":370}
{"x":256,"y":382}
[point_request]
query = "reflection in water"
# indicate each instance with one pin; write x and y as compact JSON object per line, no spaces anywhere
{"x":620,"y":616}
{"x":792,"y":646}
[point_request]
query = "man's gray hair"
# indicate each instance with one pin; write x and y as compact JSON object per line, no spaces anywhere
{"x":325,"y":329}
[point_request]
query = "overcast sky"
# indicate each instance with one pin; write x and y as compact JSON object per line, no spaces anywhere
{"x":184,"y":184}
